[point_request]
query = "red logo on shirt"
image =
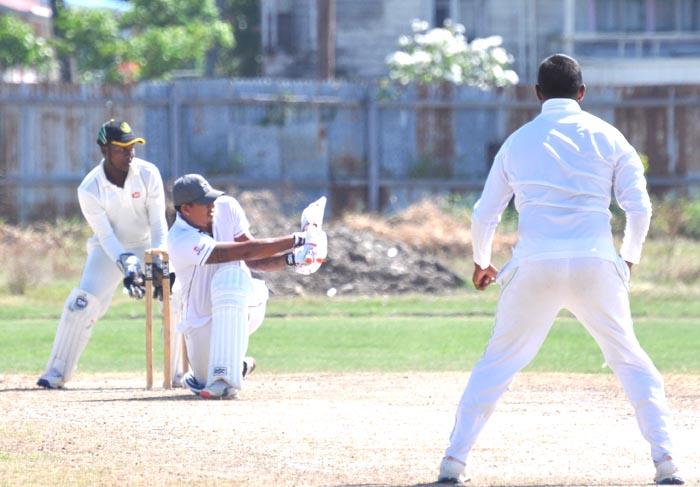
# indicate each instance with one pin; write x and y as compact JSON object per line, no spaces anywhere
{"x":135,"y":194}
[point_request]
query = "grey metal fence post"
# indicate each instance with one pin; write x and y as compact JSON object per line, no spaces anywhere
{"x":373,"y":150}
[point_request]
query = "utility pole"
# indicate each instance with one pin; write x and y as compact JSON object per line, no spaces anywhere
{"x":325,"y":28}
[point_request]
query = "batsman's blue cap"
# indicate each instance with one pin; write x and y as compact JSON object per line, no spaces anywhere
{"x":193,"y":188}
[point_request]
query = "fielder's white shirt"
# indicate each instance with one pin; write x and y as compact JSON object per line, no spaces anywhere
{"x":127,"y":217}
{"x":189,"y":250}
{"x":562,"y":168}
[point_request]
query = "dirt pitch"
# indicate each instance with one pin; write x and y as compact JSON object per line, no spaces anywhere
{"x":329,"y":430}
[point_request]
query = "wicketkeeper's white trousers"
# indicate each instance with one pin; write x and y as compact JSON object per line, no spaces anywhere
{"x":596,"y":291}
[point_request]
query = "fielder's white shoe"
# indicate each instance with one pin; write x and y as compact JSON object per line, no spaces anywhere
{"x":667,"y":473}
{"x":452,"y":471}
{"x":52,"y":379}
{"x":219,"y":389}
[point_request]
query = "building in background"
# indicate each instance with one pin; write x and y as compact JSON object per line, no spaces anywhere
{"x":618,"y":42}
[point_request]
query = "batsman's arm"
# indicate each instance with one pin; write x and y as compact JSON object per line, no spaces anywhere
{"x":250,"y":250}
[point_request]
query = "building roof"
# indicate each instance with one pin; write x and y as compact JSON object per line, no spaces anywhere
{"x":27,"y":6}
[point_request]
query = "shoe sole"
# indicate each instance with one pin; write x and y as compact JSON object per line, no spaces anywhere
{"x":671,"y":481}
{"x":207,"y":395}
{"x":46,"y":384}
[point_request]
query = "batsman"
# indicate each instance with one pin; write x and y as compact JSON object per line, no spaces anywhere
{"x":212,"y":248}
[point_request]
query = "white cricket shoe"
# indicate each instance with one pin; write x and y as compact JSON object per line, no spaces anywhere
{"x":452,"y":471}
{"x":667,"y":473}
{"x":219,"y":389}
{"x":52,"y":379}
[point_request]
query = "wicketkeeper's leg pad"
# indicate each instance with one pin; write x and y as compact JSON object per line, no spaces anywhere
{"x":80,"y":312}
{"x":230,"y":291}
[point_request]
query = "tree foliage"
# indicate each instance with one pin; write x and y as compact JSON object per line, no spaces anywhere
{"x":155,"y":39}
{"x":20,"y":47}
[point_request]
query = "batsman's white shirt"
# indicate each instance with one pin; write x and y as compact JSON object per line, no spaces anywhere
{"x":189,"y":250}
{"x":128,"y":217}
{"x":563,"y":189}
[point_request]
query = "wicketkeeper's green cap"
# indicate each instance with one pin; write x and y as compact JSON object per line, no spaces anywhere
{"x":119,"y":133}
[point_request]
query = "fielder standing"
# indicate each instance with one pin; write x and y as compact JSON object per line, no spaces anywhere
{"x":212,"y":248}
{"x":562,"y":168}
{"x":123,"y":201}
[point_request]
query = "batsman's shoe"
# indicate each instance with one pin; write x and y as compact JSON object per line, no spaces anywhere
{"x":667,"y":473}
{"x":248,"y":366}
{"x":452,"y":471}
{"x":219,"y":389}
{"x":192,"y":384}
{"x":52,"y":379}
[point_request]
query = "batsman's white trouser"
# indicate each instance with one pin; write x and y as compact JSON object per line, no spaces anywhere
{"x":199,"y":339}
{"x":596,"y":291}
{"x":74,"y":330}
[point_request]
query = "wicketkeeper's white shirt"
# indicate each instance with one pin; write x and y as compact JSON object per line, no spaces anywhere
{"x":189,"y":250}
{"x":562,"y":168}
{"x":128,"y":217}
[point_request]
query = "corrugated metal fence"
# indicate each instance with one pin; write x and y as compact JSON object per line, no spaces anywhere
{"x":367,"y":148}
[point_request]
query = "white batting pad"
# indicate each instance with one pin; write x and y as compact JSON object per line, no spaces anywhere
{"x":175,"y":336}
{"x":257,"y":305}
{"x":80,"y":312}
{"x":313,"y":214}
{"x":230,"y":291}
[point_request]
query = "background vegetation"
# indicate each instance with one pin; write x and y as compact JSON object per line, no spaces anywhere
{"x":361,"y":333}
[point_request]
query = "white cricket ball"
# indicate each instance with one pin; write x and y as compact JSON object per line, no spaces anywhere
{"x":331,"y":292}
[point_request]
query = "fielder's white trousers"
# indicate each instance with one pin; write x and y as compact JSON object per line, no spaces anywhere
{"x":596,"y":291}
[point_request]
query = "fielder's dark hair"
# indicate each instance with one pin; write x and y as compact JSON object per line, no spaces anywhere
{"x":559,"y":76}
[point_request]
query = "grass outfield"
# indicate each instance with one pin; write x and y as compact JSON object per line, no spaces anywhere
{"x":385,"y":334}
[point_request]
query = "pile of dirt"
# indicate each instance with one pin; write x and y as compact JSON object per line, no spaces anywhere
{"x":369,"y":255}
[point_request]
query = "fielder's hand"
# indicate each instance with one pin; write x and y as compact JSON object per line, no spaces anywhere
{"x":483,"y":278}
{"x":130,"y":265}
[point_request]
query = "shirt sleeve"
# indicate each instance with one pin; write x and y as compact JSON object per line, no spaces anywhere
{"x":630,"y":189}
{"x":96,"y":217}
{"x":494,"y":198}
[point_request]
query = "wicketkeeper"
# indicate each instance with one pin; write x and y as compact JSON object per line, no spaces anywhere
{"x":213,"y":250}
{"x":123,"y":201}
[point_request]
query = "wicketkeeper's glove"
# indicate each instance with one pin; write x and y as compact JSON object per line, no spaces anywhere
{"x":158,"y":282}
{"x":130,"y":265}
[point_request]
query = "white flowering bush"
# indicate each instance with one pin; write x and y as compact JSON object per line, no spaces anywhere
{"x":443,"y":54}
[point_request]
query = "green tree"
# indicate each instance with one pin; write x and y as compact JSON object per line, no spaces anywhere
{"x":20,"y":47}
{"x":91,"y":38}
{"x":153,"y":40}
{"x":171,"y":35}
